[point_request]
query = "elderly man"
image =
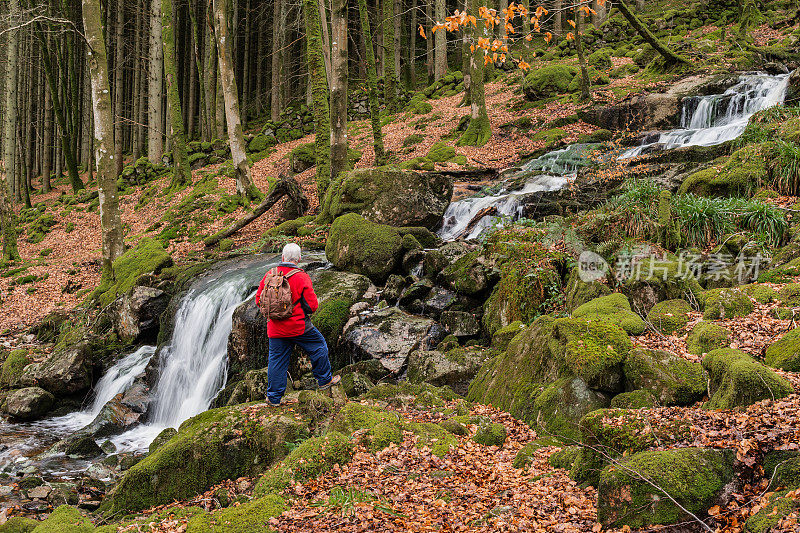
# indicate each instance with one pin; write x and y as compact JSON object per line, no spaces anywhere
{"x":297,"y":330}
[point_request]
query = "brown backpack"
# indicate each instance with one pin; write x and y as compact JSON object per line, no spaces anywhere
{"x":276,"y":301}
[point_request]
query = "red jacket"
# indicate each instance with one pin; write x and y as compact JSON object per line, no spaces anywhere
{"x":303,"y":294}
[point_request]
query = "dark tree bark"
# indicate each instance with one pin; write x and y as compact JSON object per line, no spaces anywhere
{"x":669,"y":56}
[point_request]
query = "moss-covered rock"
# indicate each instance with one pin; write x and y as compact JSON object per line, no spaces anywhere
{"x":737,"y":380}
{"x":18,"y":524}
{"x":637,"y":399}
{"x":65,"y":519}
{"x":785,"y":353}
{"x":601,"y":59}
{"x":726,"y":303}
{"x":670,"y":316}
{"x":467,"y":275}
{"x":560,"y":405}
{"x":251,"y":516}
{"x":705,"y":337}
{"x":771,"y":517}
{"x":614,"y":309}
{"x":355,"y":416}
{"x":657,"y":281}
{"x":491,"y":434}
{"x":502,"y":337}
{"x":11,"y":371}
{"x":738,"y":175}
{"x":219,"y":444}
{"x":146,"y":257}
{"x":433,"y":436}
{"x":671,"y":379}
{"x":790,"y":294}
{"x":389,"y":196}
{"x":761,"y":293}
{"x":548,"y":81}
{"x":355,"y":384}
{"x":577,"y":292}
{"x":454,"y":368}
{"x":785,"y":474}
{"x":564,"y":458}
{"x":357,"y":245}
{"x":693,"y":476}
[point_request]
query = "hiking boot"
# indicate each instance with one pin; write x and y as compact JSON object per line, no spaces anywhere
{"x":334,"y":381}
{"x":273,"y":404}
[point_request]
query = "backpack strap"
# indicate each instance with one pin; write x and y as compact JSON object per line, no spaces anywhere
{"x":292,"y":272}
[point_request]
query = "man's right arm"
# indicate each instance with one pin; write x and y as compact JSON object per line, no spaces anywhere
{"x":260,"y":288}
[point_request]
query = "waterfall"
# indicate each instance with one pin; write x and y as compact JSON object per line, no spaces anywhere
{"x":716,"y":118}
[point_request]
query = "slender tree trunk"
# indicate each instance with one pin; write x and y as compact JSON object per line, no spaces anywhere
{"x":277,"y":55}
{"x":119,"y":88}
{"x":138,"y":97}
{"x":182,"y":173}
{"x":526,"y":22}
{"x":259,"y":90}
{"x":201,"y":74}
{"x":558,"y":18}
{"x":429,"y":52}
{"x":478,"y":130}
{"x":47,"y":142}
{"x":412,"y":48}
{"x":440,"y":43}
{"x":193,"y":75}
{"x":7,"y":221}
{"x":669,"y":56}
{"x":372,"y":85}
{"x":390,"y":79}
{"x":319,"y":94}
{"x":585,"y":96}
{"x":111,"y":225}
{"x":326,"y":40}
{"x":245,"y":100}
{"x":230,"y":93}
{"x":155,"y":87}
{"x":398,"y":33}
{"x":338,"y":88}
{"x":466,"y":58}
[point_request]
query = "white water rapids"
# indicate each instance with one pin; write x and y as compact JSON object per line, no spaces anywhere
{"x":705,"y":121}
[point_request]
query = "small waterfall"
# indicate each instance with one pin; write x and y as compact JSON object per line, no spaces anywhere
{"x":716,"y":118}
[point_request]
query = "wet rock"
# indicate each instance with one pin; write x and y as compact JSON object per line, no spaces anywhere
{"x":793,"y":90}
{"x":355,"y":384}
{"x":392,"y":197}
{"x":456,"y":368}
{"x":460,"y":323}
{"x":28,"y":404}
{"x":437,"y":300}
{"x":65,"y":372}
{"x":39,"y":493}
{"x":416,"y":291}
{"x":84,"y":447}
{"x":248,"y":345}
{"x":641,"y":112}
{"x":339,"y":285}
{"x":390,"y":335}
{"x":137,"y":313}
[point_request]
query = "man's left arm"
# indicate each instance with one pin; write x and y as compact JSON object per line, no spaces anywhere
{"x":309,"y":295}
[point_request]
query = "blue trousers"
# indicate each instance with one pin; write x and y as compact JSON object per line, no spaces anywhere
{"x":280,"y":349}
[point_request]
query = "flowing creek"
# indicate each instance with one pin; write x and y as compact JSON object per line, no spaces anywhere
{"x":705,"y":121}
{"x":193,"y":363}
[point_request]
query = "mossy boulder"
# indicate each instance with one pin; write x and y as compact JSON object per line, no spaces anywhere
{"x":250,"y":516}
{"x":705,"y":337}
{"x":656,"y":281}
{"x":780,"y":512}
{"x":503,"y":336}
{"x":390,"y":196}
{"x":11,"y":371}
{"x":790,"y":294}
{"x":357,"y":245}
{"x":468,"y":275}
{"x":565,"y":457}
{"x":613,"y":309}
{"x":761,"y":293}
{"x":303,"y":157}
{"x":670,"y":316}
{"x":355,"y":416}
{"x":785,"y":353}
{"x":66,"y":371}
{"x":548,"y":81}
{"x":18,"y":524}
{"x":636,"y":399}
{"x":786,"y":474}
{"x":355,"y":384}
{"x":726,"y":303}
{"x":490,"y":434}
{"x":695,"y":477}
{"x":738,"y":380}
{"x":219,"y":444}
{"x":738,"y":175}
{"x":560,"y":405}
{"x":148,"y":256}
{"x":433,"y":436}
{"x":577,"y":292}
{"x":671,"y":379}
{"x":65,"y":519}
{"x":454,"y":368}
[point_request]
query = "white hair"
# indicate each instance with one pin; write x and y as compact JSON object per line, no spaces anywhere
{"x":291,"y":253}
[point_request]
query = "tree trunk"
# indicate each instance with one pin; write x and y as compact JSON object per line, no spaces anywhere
{"x":155,"y":84}
{"x":339,"y":80}
{"x":669,"y":56}
{"x":585,"y":83}
{"x":398,"y":33}
{"x":277,"y":62}
{"x":440,"y":43}
{"x":7,"y":222}
{"x":372,"y":85}
{"x":558,"y":18}
{"x":466,"y":58}
{"x":201,"y":74}
{"x":119,"y":88}
{"x":478,"y":130}
{"x":230,"y":93}
{"x":47,"y":142}
{"x":138,"y":86}
{"x":245,"y":100}
{"x":326,"y":40}
{"x":182,"y":173}
{"x":319,"y":94}
{"x":390,"y":79}
{"x":412,"y":48}
{"x":111,"y":225}
{"x":429,"y":52}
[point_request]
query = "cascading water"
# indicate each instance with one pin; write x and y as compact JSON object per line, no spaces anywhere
{"x":716,"y":118}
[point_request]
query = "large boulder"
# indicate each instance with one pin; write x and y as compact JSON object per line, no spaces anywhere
{"x":793,"y":90}
{"x":248,"y":345}
{"x":12,"y":368}
{"x":137,"y":313}
{"x":654,"y":111}
{"x":29,"y":403}
{"x":652,"y":281}
{"x":390,"y":335}
{"x":635,"y":492}
{"x":219,"y":444}
{"x":358,"y":245}
{"x":707,"y":336}
{"x":671,"y":379}
{"x":455,"y":368}
{"x":66,"y":371}
{"x":785,"y":353}
{"x":548,"y":81}
{"x":338,"y":285}
{"x":392,"y":197}
{"x":614,"y":309}
{"x":738,"y":380}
